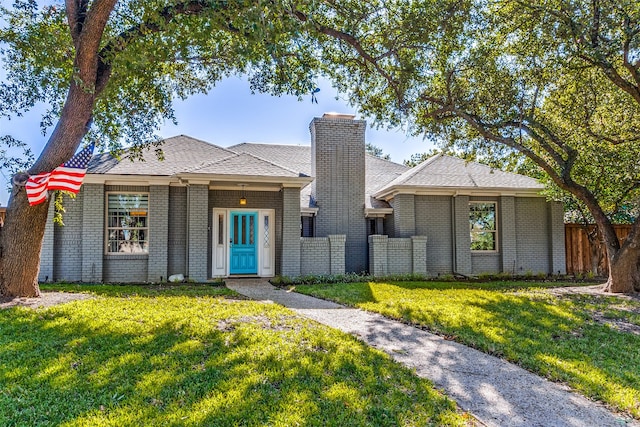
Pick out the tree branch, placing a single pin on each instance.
(76, 15)
(126, 37)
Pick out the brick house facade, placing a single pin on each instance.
(328, 208)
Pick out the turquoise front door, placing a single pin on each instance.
(244, 248)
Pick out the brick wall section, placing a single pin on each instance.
(338, 253)
(197, 234)
(378, 255)
(125, 268)
(46, 253)
(463, 237)
(315, 255)
(419, 249)
(158, 232)
(557, 250)
(67, 240)
(433, 220)
(533, 235)
(290, 232)
(338, 165)
(399, 257)
(485, 263)
(507, 234)
(177, 231)
(93, 232)
(226, 199)
(404, 218)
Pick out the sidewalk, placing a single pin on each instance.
(494, 391)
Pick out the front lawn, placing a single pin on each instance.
(147, 356)
(590, 342)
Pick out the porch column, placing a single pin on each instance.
(290, 232)
(197, 234)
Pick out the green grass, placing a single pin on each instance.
(565, 338)
(142, 356)
(165, 289)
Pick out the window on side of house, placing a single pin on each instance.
(127, 223)
(307, 226)
(483, 226)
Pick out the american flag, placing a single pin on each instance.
(67, 177)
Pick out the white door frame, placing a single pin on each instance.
(220, 253)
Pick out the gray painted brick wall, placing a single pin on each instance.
(93, 223)
(378, 265)
(315, 255)
(177, 232)
(67, 240)
(158, 232)
(399, 256)
(433, 220)
(45, 274)
(197, 234)
(485, 263)
(463, 236)
(533, 235)
(419, 249)
(125, 268)
(290, 232)
(507, 234)
(338, 253)
(404, 215)
(338, 165)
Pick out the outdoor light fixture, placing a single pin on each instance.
(243, 200)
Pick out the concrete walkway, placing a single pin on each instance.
(494, 391)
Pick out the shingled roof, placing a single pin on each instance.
(184, 155)
(446, 172)
(181, 153)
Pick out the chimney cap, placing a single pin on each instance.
(333, 115)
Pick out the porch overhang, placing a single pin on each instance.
(389, 193)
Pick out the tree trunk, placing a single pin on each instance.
(624, 271)
(20, 246)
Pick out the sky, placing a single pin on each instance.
(229, 114)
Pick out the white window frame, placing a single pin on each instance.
(494, 231)
(107, 228)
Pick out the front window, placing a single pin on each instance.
(482, 223)
(127, 223)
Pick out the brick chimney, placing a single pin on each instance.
(338, 165)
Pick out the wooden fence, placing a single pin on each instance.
(583, 256)
(3, 212)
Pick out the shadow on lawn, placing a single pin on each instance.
(109, 364)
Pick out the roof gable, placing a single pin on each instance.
(243, 164)
(442, 171)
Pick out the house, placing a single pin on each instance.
(265, 210)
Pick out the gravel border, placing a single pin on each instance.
(496, 392)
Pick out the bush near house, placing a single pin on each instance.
(589, 342)
(194, 355)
